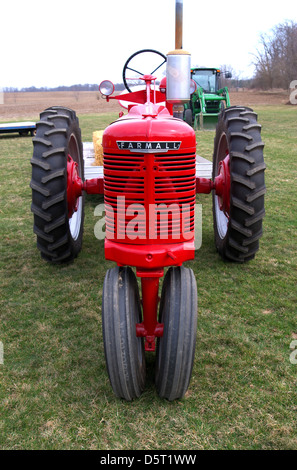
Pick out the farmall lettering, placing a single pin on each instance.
(149, 162)
(148, 147)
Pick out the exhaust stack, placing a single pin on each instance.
(179, 24)
(178, 73)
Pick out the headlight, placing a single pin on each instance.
(106, 88)
(193, 86)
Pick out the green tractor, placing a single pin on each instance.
(208, 100)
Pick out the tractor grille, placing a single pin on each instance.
(149, 198)
(212, 106)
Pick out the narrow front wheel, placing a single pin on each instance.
(124, 351)
(176, 348)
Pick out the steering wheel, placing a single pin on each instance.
(150, 58)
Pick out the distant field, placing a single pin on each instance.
(55, 392)
(24, 105)
(18, 105)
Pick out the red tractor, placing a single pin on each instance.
(149, 188)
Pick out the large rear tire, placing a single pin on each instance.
(58, 137)
(188, 117)
(176, 348)
(238, 156)
(124, 351)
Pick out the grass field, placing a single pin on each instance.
(55, 392)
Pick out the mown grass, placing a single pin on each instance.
(55, 392)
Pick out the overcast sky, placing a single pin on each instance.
(64, 42)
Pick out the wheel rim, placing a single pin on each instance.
(222, 182)
(221, 219)
(74, 199)
(75, 221)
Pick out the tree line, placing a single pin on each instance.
(275, 60)
(77, 87)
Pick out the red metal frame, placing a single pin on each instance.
(142, 96)
(150, 328)
(222, 185)
(148, 178)
(75, 186)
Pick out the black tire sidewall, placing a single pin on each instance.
(176, 348)
(56, 244)
(238, 127)
(188, 117)
(124, 351)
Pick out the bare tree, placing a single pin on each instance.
(276, 59)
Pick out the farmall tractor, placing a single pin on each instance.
(149, 188)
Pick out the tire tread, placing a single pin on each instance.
(244, 229)
(49, 184)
